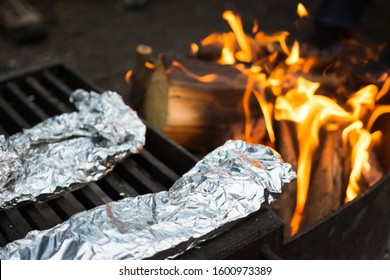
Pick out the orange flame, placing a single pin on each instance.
(245, 55)
(268, 40)
(301, 10)
(227, 54)
(150, 65)
(283, 93)
(379, 110)
(385, 88)
(311, 112)
(360, 140)
(194, 49)
(205, 79)
(255, 27)
(128, 75)
(293, 57)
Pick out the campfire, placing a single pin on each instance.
(317, 109)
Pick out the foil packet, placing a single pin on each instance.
(229, 184)
(69, 150)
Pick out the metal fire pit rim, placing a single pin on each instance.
(339, 210)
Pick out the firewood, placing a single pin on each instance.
(382, 150)
(140, 76)
(369, 175)
(347, 168)
(329, 83)
(287, 147)
(325, 192)
(192, 106)
(375, 172)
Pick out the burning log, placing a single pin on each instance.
(332, 175)
(375, 172)
(382, 150)
(326, 190)
(285, 205)
(191, 106)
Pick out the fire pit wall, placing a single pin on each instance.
(359, 229)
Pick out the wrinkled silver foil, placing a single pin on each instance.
(230, 183)
(66, 151)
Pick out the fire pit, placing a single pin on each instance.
(357, 230)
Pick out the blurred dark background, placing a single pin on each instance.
(98, 38)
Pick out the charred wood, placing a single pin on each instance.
(326, 184)
(287, 147)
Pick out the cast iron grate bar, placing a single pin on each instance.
(61, 206)
(12, 116)
(116, 187)
(18, 221)
(36, 219)
(26, 101)
(47, 97)
(8, 230)
(53, 81)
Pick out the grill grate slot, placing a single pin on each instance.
(56, 85)
(8, 230)
(163, 173)
(20, 224)
(100, 193)
(48, 102)
(141, 182)
(11, 119)
(40, 216)
(166, 151)
(66, 206)
(88, 198)
(25, 104)
(116, 187)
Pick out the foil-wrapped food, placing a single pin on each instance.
(229, 184)
(69, 150)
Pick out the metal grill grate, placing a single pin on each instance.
(33, 95)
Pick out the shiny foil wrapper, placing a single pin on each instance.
(230, 183)
(66, 151)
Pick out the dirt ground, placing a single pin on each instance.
(98, 38)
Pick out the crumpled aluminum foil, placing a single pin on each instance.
(66, 151)
(230, 183)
